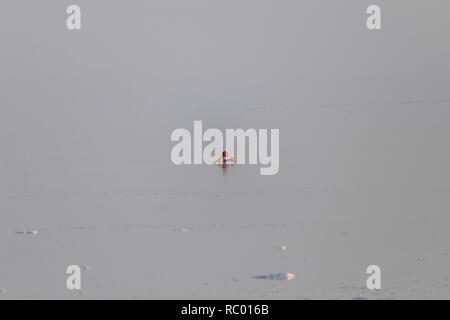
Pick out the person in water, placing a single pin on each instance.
(224, 156)
(223, 160)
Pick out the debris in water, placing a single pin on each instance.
(360, 298)
(34, 232)
(420, 259)
(277, 276)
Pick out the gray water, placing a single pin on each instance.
(85, 124)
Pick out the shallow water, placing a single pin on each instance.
(200, 233)
(85, 124)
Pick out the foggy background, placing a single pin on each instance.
(85, 124)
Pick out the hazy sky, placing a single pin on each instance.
(143, 67)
